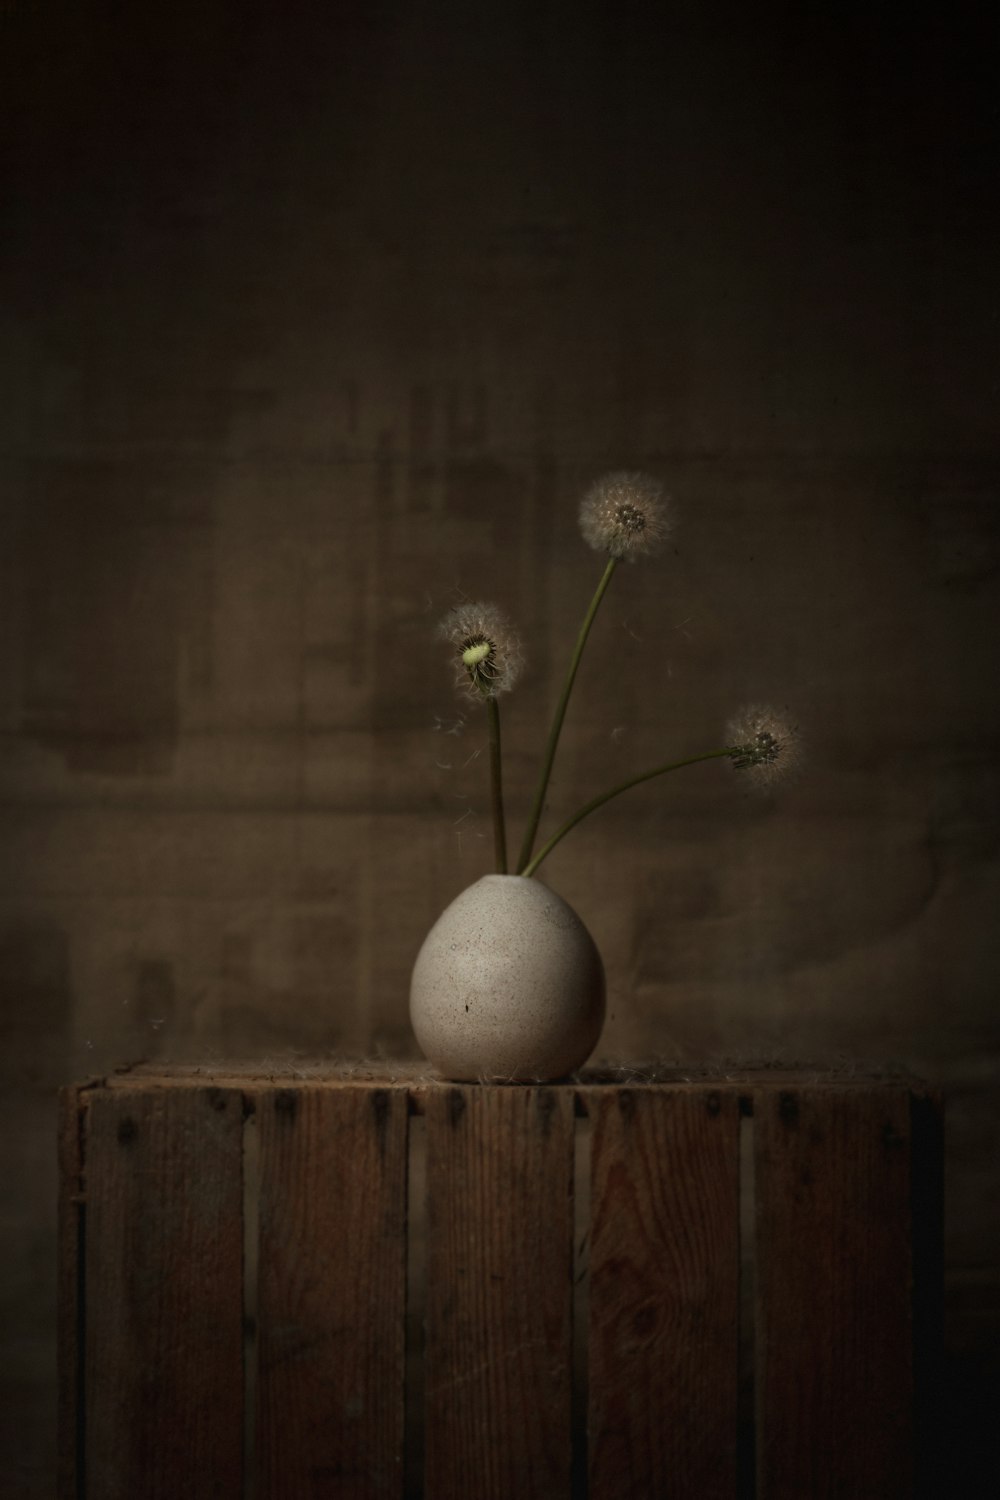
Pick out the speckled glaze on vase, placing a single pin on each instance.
(508, 986)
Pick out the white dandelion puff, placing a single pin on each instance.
(488, 659)
(625, 515)
(765, 744)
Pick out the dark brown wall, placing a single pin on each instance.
(317, 318)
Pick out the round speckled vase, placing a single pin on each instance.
(508, 986)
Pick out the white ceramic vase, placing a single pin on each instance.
(508, 986)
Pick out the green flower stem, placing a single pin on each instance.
(592, 806)
(557, 721)
(496, 787)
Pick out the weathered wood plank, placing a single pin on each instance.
(70, 1265)
(664, 1293)
(331, 1293)
(834, 1334)
(499, 1294)
(163, 1278)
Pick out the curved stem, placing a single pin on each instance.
(557, 720)
(496, 787)
(596, 802)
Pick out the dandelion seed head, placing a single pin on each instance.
(487, 652)
(625, 515)
(765, 744)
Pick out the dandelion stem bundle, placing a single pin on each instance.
(496, 787)
(596, 802)
(625, 516)
(534, 816)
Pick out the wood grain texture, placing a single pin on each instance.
(331, 1293)
(499, 1295)
(70, 1291)
(834, 1269)
(163, 1370)
(664, 1293)
(848, 1255)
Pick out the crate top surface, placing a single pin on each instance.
(418, 1080)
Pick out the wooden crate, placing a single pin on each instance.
(608, 1296)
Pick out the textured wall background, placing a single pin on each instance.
(316, 319)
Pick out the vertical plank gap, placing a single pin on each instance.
(927, 1217)
(581, 1302)
(81, 1312)
(746, 1401)
(72, 1288)
(251, 1260)
(416, 1280)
